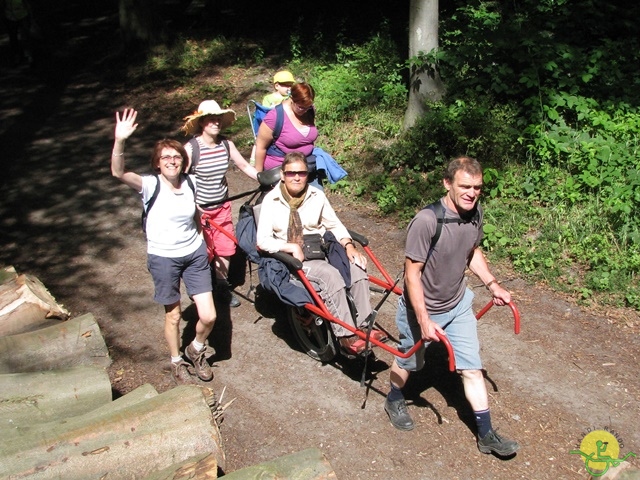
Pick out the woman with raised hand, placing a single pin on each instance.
(175, 248)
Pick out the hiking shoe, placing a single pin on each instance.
(234, 301)
(492, 442)
(225, 296)
(399, 414)
(199, 360)
(180, 372)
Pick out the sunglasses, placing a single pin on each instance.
(292, 173)
(302, 109)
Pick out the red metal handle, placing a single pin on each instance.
(514, 310)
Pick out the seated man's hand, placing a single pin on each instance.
(356, 257)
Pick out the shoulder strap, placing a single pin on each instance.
(191, 185)
(439, 210)
(195, 153)
(277, 130)
(225, 144)
(149, 204)
(154, 195)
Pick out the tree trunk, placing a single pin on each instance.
(29, 398)
(140, 23)
(26, 305)
(71, 343)
(425, 84)
(309, 464)
(133, 442)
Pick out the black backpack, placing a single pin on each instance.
(147, 206)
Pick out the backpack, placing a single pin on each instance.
(246, 233)
(195, 152)
(277, 130)
(156, 191)
(439, 210)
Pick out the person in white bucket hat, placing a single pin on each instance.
(209, 154)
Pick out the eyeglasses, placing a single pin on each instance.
(293, 173)
(167, 158)
(302, 109)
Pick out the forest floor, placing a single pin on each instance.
(64, 219)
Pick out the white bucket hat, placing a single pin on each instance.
(208, 107)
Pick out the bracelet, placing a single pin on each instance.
(117, 154)
(491, 283)
(349, 243)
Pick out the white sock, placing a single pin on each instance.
(197, 345)
(175, 359)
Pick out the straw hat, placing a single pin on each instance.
(208, 107)
(283, 76)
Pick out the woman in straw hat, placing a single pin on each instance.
(210, 168)
(175, 248)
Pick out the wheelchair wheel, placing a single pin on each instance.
(316, 340)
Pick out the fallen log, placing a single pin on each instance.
(26, 304)
(28, 398)
(201, 467)
(71, 343)
(133, 442)
(7, 274)
(308, 464)
(134, 397)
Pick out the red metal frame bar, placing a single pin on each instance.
(320, 309)
(514, 310)
(388, 281)
(230, 236)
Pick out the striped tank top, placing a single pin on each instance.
(210, 174)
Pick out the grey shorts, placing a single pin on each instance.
(459, 324)
(166, 272)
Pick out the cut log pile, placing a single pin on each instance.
(58, 418)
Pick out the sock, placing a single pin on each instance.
(483, 421)
(197, 345)
(176, 359)
(394, 394)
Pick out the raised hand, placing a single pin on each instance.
(125, 125)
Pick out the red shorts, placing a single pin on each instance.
(218, 244)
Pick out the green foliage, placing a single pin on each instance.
(473, 128)
(188, 56)
(544, 94)
(362, 77)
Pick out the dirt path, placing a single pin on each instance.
(64, 219)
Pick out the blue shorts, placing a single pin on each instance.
(460, 325)
(166, 272)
